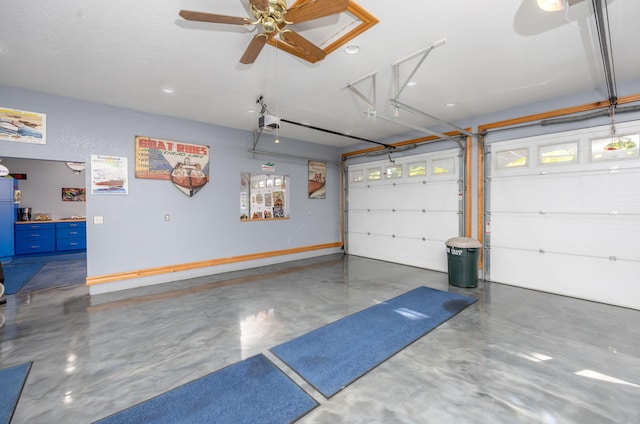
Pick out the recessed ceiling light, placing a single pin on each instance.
(450, 104)
(352, 49)
(412, 83)
(168, 90)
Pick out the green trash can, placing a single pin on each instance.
(462, 261)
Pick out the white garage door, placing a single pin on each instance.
(404, 211)
(565, 214)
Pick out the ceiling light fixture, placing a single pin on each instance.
(76, 167)
(412, 83)
(168, 90)
(352, 49)
(551, 5)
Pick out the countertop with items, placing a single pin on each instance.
(71, 219)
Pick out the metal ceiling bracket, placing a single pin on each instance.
(418, 112)
(398, 89)
(256, 137)
(395, 102)
(422, 129)
(371, 103)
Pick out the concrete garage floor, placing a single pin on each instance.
(515, 356)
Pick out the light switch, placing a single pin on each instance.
(98, 220)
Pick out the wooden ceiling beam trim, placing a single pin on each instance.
(367, 21)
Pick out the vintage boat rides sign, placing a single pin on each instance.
(185, 165)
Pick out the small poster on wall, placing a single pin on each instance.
(317, 175)
(109, 175)
(22, 126)
(74, 195)
(185, 165)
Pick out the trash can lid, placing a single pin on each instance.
(463, 242)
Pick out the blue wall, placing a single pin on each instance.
(134, 235)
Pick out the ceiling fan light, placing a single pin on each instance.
(269, 24)
(551, 5)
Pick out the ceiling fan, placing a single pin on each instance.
(274, 16)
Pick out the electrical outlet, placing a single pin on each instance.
(98, 220)
(167, 217)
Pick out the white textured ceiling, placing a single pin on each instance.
(498, 54)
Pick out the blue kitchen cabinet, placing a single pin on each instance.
(71, 235)
(35, 237)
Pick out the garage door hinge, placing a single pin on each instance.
(613, 258)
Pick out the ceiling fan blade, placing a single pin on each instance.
(260, 4)
(254, 49)
(210, 17)
(308, 50)
(315, 9)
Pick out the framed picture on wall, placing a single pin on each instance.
(109, 175)
(74, 195)
(186, 165)
(22, 126)
(317, 179)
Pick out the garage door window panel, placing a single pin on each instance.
(374, 174)
(394, 172)
(615, 148)
(558, 154)
(417, 169)
(444, 166)
(512, 158)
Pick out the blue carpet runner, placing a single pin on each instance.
(11, 383)
(16, 276)
(250, 391)
(337, 354)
